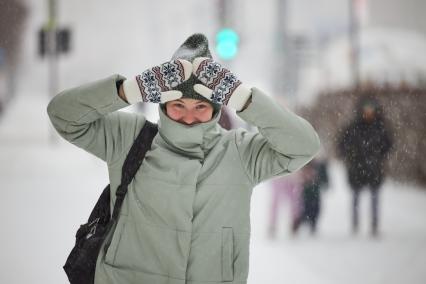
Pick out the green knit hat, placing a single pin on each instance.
(195, 46)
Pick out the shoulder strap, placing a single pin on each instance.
(133, 161)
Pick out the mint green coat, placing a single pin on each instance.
(186, 216)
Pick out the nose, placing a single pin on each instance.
(189, 118)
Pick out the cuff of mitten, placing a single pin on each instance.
(240, 97)
(131, 91)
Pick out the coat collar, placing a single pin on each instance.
(194, 141)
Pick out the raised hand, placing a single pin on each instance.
(220, 85)
(156, 84)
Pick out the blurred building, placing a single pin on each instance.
(12, 20)
(314, 51)
(386, 57)
(399, 14)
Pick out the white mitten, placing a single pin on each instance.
(156, 84)
(219, 84)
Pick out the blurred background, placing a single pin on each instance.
(315, 57)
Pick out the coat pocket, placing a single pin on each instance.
(116, 237)
(227, 254)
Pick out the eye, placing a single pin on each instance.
(178, 105)
(201, 107)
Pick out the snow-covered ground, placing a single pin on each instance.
(49, 186)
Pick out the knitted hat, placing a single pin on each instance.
(195, 46)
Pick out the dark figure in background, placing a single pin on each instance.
(363, 147)
(314, 180)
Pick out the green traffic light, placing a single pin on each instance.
(227, 50)
(227, 35)
(227, 43)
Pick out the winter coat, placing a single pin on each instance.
(363, 147)
(186, 216)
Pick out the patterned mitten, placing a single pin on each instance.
(155, 85)
(219, 84)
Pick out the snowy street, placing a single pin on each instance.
(49, 187)
(316, 56)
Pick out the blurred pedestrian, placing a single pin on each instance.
(314, 179)
(285, 189)
(186, 216)
(363, 145)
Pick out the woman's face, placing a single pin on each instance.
(189, 111)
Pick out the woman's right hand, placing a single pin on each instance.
(156, 84)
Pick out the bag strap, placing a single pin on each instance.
(133, 161)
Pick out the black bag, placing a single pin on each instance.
(81, 263)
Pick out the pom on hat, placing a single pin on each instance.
(195, 46)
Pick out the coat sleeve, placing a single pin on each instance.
(285, 142)
(86, 116)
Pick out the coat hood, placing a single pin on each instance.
(190, 140)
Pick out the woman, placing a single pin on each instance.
(186, 215)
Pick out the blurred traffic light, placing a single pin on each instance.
(62, 41)
(227, 43)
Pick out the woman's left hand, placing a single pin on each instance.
(220, 85)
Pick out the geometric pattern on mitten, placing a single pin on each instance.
(159, 79)
(220, 80)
